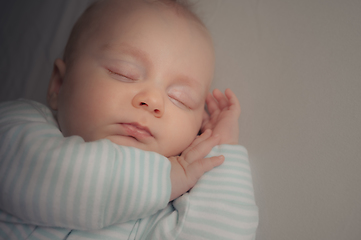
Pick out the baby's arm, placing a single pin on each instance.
(191, 164)
(224, 111)
(49, 180)
(221, 205)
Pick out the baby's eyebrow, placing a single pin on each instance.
(126, 48)
(193, 89)
(188, 81)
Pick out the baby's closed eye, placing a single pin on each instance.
(182, 98)
(123, 75)
(124, 71)
(178, 102)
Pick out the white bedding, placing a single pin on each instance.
(296, 68)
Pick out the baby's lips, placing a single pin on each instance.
(136, 130)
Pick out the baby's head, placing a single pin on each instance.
(136, 72)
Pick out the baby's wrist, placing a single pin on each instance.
(229, 140)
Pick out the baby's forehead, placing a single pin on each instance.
(108, 19)
(112, 10)
(105, 12)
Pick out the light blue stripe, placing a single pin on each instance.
(108, 184)
(80, 187)
(117, 230)
(214, 199)
(4, 235)
(53, 182)
(232, 215)
(12, 107)
(214, 183)
(25, 184)
(204, 234)
(236, 168)
(35, 201)
(155, 181)
(16, 231)
(226, 192)
(218, 225)
(232, 159)
(233, 175)
(64, 202)
(121, 229)
(13, 137)
(149, 187)
(226, 151)
(131, 169)
(140, 188)
(27, 229)
(7, 150)
(159, 181)
(93, 235)
(19, 166)
(150, 224)
(51, 135)
(43, 232)
(5, 106)
(13, 118)
(119, 164)
(93, 182)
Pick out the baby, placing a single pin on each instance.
(128, 98)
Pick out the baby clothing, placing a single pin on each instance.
(55, 187)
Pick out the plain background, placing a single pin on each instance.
(296, 68)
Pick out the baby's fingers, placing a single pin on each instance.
(212, 104)
(206, 134)
(233, 100)
(195, 170)
(201, 147)
(221, 98)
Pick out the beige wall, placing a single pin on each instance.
(296, 68)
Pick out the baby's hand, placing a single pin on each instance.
(224, 110)
(187, 168)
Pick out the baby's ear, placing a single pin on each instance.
(55, 83)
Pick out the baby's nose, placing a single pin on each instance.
(151, 101)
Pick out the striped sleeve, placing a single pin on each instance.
(220, 206)
(52, 181)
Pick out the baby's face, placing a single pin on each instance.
(140, 80)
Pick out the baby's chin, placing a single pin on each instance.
(129, 142)
(133, 142)
(151, 147)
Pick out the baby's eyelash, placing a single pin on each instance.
(128, 79)
(179, 102)
(110, 71)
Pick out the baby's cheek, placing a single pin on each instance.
(175, 141)
(188, 132)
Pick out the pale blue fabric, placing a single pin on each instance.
(53, 187)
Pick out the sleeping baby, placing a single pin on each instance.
(118, 154)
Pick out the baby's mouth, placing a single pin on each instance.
(136, 130)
